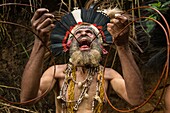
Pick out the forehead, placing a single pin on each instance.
(84, 28)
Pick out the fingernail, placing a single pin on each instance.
(117, 15)
(47, 10)
(116, 21)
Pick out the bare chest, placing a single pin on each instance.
(83, 91)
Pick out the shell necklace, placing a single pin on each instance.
(84, 85)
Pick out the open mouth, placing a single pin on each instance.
(84, 44)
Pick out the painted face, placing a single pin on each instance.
(85, 38)
(85, 49)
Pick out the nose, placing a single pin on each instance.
(83, 33)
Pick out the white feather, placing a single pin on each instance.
(77, 15)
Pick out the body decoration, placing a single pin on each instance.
(69, 103)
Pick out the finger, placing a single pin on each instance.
(112, 32)
(123, 19)
(47, 30)
(39, 13)
(42, 19)
(110, 25)
(111, 28)
(44, 24)
(117, 23)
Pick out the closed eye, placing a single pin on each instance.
(78, 32)
(89, 31)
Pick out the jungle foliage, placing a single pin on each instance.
(147, 41)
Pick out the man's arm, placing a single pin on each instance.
(42, 26)
(131, 75)
(133, 82)
(167, 100)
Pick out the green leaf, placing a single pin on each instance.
(156, 5)
(165, 4)
(150, 24)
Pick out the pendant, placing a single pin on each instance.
(96, 97)
(75, 108)
(80, 84)
(59, 97)
(86, 95)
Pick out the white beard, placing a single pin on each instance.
(86, 58)
(90, 57)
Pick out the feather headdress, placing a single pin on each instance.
(63, 29)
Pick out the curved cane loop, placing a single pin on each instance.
(165, 70)
(139, 106)
(52, 57)
(166, 67)
(11, 23)
(164, 73)
(145, 7)
(17, 4)
(168, 50)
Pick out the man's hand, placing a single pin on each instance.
(115, 26)
(42, 23)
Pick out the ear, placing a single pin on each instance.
(69, 43)
(104, 50)
(70, 40)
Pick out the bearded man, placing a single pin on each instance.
(81, 82)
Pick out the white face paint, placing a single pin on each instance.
(85, 49)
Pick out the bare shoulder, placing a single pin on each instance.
(111, 74)
(55, 71)
(50, 76)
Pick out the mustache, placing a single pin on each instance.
(85, 41)
(87, 38)
(91, 59)
(75, 46)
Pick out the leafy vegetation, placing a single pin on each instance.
(146, 39)
(163, 7)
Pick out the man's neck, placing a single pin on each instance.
(82, 69)
(85, 69)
